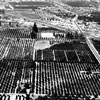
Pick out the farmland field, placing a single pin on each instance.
(77, 3)
(21, 49)
(65, 78)
(31, 16)
(57, 70)
(29, 5)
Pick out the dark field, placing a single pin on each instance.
(95, 16)
(29, 5)
(77, 3)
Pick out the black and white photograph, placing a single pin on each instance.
(49, 49)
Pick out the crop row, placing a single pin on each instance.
(65, 78)
(13, 33)
(21, 49)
